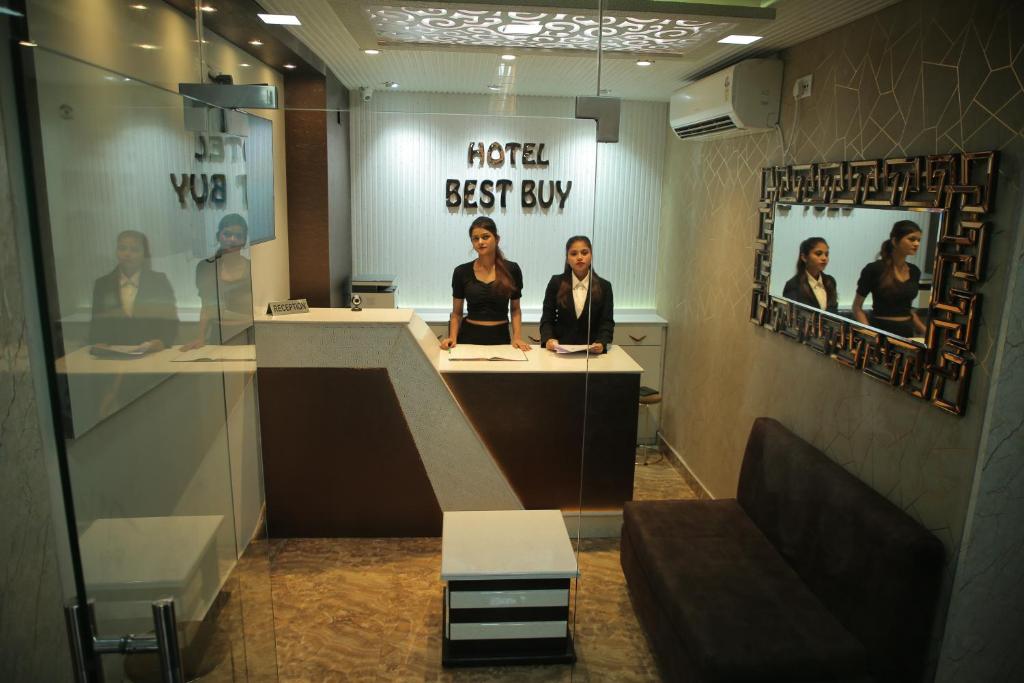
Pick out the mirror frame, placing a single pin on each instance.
(963, 185)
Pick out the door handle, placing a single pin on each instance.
(637, 339)
(533, 339)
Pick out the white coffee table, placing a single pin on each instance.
(506, 599)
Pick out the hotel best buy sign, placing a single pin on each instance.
(472, 193)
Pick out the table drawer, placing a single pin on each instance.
(639, 335)
(523, 598)
(508, 630)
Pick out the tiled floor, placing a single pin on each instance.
(370, 610)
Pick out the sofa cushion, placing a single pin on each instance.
(738, 609)
(876, 569)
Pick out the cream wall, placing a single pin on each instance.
(917, 78)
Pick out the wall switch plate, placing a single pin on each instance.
(802, 87)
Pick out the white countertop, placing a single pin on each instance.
(506, 544)
(342, 316)
(531, 316)
(540, 360)
(81, 362)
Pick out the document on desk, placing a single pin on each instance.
(571, 348)
(483, 352)
(118, 351)
(213, 353)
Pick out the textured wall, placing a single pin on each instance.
(918, 78)
(33, 644)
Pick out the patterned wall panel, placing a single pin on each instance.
(403, 150)
(920, 78)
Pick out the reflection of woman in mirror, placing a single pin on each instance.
(893, 284)
(133, 304)
(492, 285)
(578, 303)
(811, 286)
(225, 287)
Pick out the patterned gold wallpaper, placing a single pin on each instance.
(921, 77)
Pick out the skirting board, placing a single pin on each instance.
(594, 524)
(684, 470)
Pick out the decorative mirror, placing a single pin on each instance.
(875, 263)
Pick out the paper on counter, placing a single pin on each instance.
(571, 348)
(484, 352)
(214, 353)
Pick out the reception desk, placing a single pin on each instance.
(369, 429)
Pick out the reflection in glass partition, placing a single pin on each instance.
(870, 265)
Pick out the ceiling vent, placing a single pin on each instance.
(744, 97)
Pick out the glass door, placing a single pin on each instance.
(148, 204)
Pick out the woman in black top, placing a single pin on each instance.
(491, 285)
(578, 304)
(224, 282)
(811, 286)
(133, 304)
(893, 284)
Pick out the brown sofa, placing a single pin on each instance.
(808, 575)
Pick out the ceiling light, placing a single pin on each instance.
(257, 43)
(740, 40)
(520, 29)
(495, 88)
(644, 62)
(244, 64)
(27, 43)
(288, 66)
(138, 7)
(390, 84)
(208, 8)
(371, 52)
(146, 46)
(508, 58)
(280, 19)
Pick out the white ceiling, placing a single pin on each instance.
(339, 30)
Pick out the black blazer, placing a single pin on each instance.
(562, 324)
(798, 289)
(155, 313)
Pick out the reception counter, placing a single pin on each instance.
(369, 429)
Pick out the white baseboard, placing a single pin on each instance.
(679, 458)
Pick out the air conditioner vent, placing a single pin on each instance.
(705, 127)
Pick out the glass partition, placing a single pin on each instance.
(147, 208)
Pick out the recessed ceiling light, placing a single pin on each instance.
(280, 19)
(508, 58)
(208, 8)
(390, 84)
(740, 40)
(288, 66)
(110, 78)
(495, 88)
(244, 64)
(138, 7)
(126, 79)
(644, 62)
(146, 46)
(371, 52)
(27, 43)
(520, 29)
(257, 43)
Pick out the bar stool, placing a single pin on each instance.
(648, 398)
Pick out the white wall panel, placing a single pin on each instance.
(406, 145)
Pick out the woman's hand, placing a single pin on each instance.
(551, 344)
(152, 346)
(521, 345)
(447, 343)
(194, 344)
(597, 347)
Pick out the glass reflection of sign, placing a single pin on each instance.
(484, 194)
(211, 189)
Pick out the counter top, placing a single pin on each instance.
(342, 316)
(81, 362)
(531, 316)
(540, 360)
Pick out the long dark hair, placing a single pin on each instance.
(900, 229)
(565, 286)
(801, 269)
(504, 285)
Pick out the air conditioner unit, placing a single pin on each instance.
(744, 97)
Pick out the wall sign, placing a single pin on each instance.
(212, 188)
(475, 193)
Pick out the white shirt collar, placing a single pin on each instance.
(132, 280)
(584, 283)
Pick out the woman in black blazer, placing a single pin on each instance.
(578, 303)
(133, 304)
(811, 286)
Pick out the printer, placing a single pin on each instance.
(376, 290)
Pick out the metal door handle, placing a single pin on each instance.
(637, 339)
(533, 339)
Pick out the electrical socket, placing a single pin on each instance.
(802, 87)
